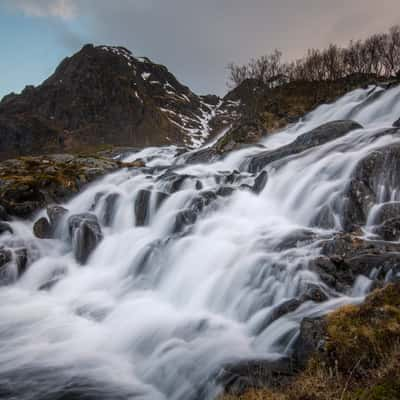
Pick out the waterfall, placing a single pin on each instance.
(188, 282)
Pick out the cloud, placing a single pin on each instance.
(65, 9)
(197, 39)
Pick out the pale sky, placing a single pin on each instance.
(195, 39)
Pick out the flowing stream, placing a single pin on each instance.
(159, 309)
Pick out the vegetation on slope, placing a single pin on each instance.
(360, 358)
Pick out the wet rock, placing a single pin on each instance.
(3, 214)
(239, 377)
(110, 205)
(204, 199)
(244, 132)
(86, 234)
(316, 137)
(5, 257)
(42, 229)
(225, 191)
(183, 219)
(199, 185)
(260, 182)
(202, 156)
(314, 292)
(324, 218)
(389, 230)
(56, 214)
(344, 257)
(5, 228)
(142, 205)
(311, 340)
(160, 198)
(300, 237)
(379, 169)
(21, 260)
(284, 308)
(387, 211)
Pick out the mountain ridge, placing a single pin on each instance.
(102, 96)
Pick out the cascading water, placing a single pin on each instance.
(159, 308)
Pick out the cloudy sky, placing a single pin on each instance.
(195, 39)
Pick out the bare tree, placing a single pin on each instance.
(379, 54)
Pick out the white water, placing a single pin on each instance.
(155, 316)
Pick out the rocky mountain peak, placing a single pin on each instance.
(104, 95)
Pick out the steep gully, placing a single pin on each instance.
(192, 263)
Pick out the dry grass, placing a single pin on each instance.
(362, 358)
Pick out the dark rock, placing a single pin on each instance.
(300, 237)
(379, 169)
(43, 229)
(4, 227)
(389, 230)
(3, 214)
(56, 214)
(237, 378)
(5, 257)
(86, 234)
(260, 182)
(199, 185)
(317, 137)
(202, 156)
(314, 293)
(284, 308)
(21, 260)
(142, 205)
(396, 124)
(324, 218)
(344, 257)
(225, 191)
(160, 198)
(183, 219)
(110, 204)
(386, 212)
(245, 131)
(311, 340)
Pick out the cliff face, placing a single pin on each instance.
(104, 96)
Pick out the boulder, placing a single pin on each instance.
(311, 340)
(344, 257)
(225, 191)
(85, 233)
(46, 228)
(56, 214)
(3, 214)
(260, 182)
(324, 218)
(110, 206)
(237, 378)
(160, 198)
(5, 257)
(389, 230)
(314, 292)
(387, 211)
(142, 207)
(183, 219)
(379, 169)
(5, 228)
(42, 229)
(317, 137)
